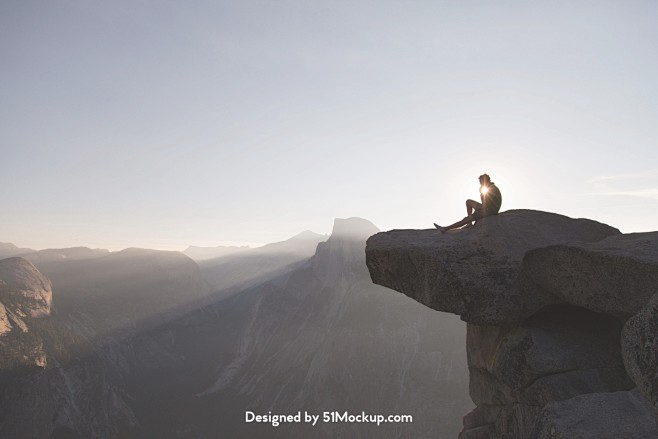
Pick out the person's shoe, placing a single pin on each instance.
(441, 229)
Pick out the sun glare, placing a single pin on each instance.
(484, 190)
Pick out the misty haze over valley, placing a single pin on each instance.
(146, 343)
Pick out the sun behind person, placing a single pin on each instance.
(491, 201)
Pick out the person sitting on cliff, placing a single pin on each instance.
(490, 205)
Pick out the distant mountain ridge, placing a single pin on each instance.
(8, 249)
(238, 271)
(124, 341)
(133, 285)
(301, 243)
(205, 253)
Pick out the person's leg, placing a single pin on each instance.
(471, 205)
(467, 220)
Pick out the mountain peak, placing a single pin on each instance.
(307, 235)
(354, 228)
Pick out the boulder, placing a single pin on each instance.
(474, 272)
(617, 275)
(640, 350)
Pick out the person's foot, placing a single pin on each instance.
(441, 229)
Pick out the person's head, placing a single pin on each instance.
(485, 180)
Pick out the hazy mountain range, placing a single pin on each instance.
(204, 253)
(145, 343)
(238, 271)
(8, 249)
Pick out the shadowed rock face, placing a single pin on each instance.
(640, 348)
(557, 354)
(546, 298)
(597, 416)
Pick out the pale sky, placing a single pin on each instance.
(164, 124)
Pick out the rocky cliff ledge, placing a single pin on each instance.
(562, 319)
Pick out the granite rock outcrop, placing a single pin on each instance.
(26, 293)
(616, 275)
(545, 298)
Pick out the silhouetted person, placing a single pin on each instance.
(490, 205)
